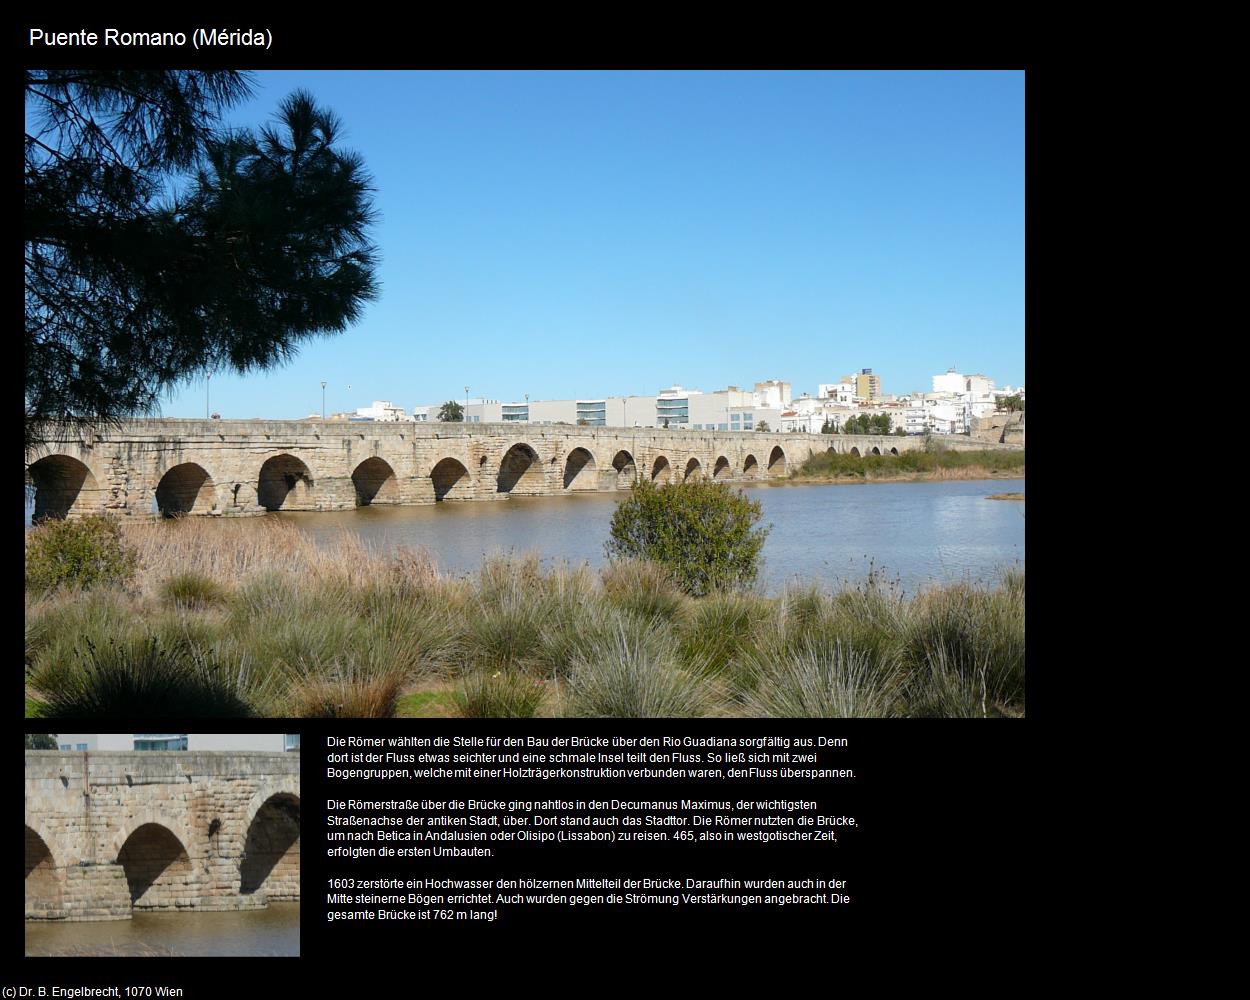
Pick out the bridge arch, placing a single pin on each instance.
(158, 869)
(45, 879)
(520, 470)
(777, 462)
(375, 482)
(285, 481)
(893, 451)
(721, 470)
(751, 466)
(451, 480)
(185, 489)
(694, 470)
(876, 450)
(271, 829)
(855, 451)
(579, 470)
(64, 486)
(661, 471)
(626, 470)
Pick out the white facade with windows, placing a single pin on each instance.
(675, 407)
(272, 742)
(842, 392)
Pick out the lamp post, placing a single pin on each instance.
(323, 401)
(465, 416)
(527, 407)
(207, 382)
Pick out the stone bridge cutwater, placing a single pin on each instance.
(236, 467)
(108, 833)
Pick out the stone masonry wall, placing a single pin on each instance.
(108, 831)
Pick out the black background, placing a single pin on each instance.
(942, 857)
(944, 867)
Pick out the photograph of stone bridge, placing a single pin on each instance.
(109, 833)
(239, 467)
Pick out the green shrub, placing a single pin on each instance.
(570, 635)
(192, 590)
(721, 627)
(506, 634)
(642, 588)
(364, 685)
(138, 676)
(971, 633)
(498, 695)
(823, 680)
(634, 674)
(704, 532)
(78, 554)
(944, 689)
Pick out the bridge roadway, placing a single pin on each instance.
(108, 833)
(240, 467)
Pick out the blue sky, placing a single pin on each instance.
(588, 234)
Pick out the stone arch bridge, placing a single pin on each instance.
(234, 467)
(108, 833)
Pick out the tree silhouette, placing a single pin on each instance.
(160, 245)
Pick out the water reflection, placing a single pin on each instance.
(272, 931)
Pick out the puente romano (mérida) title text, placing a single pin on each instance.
(110, 37)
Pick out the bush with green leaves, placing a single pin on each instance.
(705, 533)
(78, 554)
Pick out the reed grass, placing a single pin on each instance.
(256, 619)
(937, 464)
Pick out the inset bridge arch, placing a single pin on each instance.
(285, 483)
(374, 481)
(186, 488)
(64, 487)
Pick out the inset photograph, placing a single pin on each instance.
(162, 844)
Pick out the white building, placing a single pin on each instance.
(980, 387)
(772, 394)
(674, 407)
(915, 419)
(272, 742)
(384, 410)
(947, 418)
(949, 381)
(840, 392)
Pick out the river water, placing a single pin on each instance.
(915, 532)
(272, 931)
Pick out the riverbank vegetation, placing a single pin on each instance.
(985, 464)
(255, 618)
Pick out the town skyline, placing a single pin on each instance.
(349, 398)
(565, 233)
